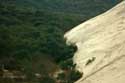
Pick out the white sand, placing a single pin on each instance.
(102, 37)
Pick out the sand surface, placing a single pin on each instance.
(101, 40)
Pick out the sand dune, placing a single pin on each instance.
(101, 40)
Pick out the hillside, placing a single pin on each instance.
(31, 39)
(101, 47)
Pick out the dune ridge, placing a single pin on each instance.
(101, 38)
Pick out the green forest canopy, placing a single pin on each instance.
(34, 31)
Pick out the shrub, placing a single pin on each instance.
(90, 61)
(74, 76)
(47, 79)
(61, 76)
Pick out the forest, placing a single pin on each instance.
(32, 47)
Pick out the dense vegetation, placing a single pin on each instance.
(71, 6)
(28, 37)
(32, 38)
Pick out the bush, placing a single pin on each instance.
(90, 61)
(67, 64)
(61, 76)
(47, 80)
(70, 74)
(74, 76)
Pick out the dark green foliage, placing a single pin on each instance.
(71, 6)
(69, 76)
(47, 80)
(67, 64)
(74, 76)
(21, 38)
(28, 34)
(61, 76)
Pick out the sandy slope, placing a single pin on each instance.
(102, 38)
